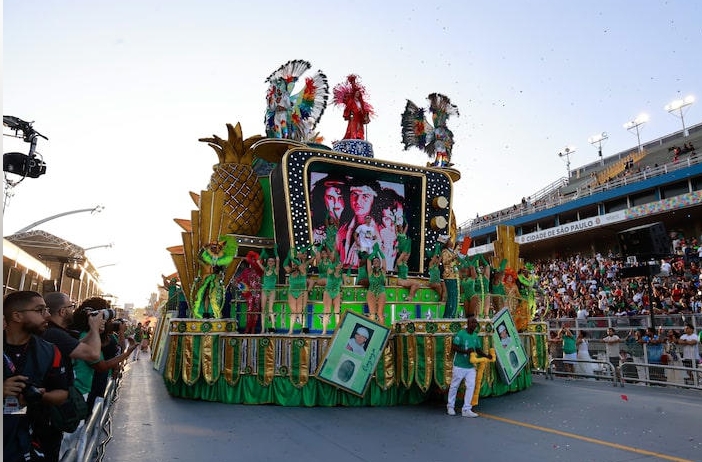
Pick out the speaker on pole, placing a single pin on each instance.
(647, 241)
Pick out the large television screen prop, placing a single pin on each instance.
(310, 185)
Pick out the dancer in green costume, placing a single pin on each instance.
(467, 276)
(296, 267)
(526, 282)
(480, 303)
(332, 294)
(269, 281)
(435, 281)
(404, 281)
(323, 262)
(375, 295)
(209, 296)
(497, 286)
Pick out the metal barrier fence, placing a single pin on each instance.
(631, 372)
(88, 442)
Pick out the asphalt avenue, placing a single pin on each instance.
(578, 420)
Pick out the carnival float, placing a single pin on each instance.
(307, 275)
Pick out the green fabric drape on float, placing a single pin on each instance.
(213, 368)
(282, 392)
(232, 360)
(210, 358)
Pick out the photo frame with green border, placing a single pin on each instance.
(511, 357)
(348, 365)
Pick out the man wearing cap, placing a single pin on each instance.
(357, 343)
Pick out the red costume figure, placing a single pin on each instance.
(352, 95)
(249, 283)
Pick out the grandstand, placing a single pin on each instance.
(584, 213)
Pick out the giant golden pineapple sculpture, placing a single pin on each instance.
(235, 177)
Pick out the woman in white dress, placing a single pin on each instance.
(584, 354)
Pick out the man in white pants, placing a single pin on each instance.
(464, 343)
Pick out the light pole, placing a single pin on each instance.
(636, 123)
(567, 152)
(677, 106)
(107, 246)
(96, 209)
(597, 140)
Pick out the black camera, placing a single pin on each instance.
(32, 394)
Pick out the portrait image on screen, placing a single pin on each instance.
(344, 204)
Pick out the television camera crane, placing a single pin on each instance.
(30, 165)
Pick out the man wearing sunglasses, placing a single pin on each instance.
(60, 317)
(33, 378)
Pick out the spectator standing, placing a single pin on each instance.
(586, 368)
(654, 353)
(138, 338)
(33, 378)
(611, 341)
(690, 346)
(570, 351)
(555, 349)
(61, 310)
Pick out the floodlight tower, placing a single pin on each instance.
(597, 140)
(677, 106)
(567, 152)
(636, 123)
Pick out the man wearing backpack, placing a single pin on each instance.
(33, 378)
(88, 349)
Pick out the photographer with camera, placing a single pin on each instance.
(61, 310)
(113, 356)
(84, 370)
(33, 379)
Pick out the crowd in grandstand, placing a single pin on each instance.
(593, 287)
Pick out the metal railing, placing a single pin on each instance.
(88, 442)
(606, 370)
(631, 372)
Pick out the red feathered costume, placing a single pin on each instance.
(249, 281)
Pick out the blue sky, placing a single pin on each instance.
(124, 90)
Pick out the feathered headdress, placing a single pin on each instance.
(437, 140)
(305, 108)
(344, 92)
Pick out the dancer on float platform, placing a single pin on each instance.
(323, 262)
(480, 303)
(404, 244)
(269, 281)
(296, 267)
(375, 296)
(404, 281)
(467, 276)
(498, 291)
(332, 294)
(435, 282)
(404, 247)
(449, 261)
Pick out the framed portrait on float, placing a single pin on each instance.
(353, 353)
(511, 357)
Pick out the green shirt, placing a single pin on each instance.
(464, 341)
(569, 344)
(84, 372)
